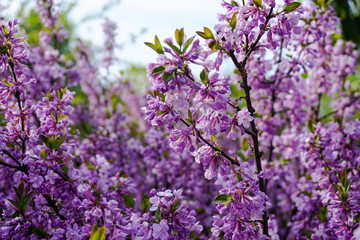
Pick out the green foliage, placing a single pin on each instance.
(207, 34)
(188, 43)
(179, 36)
(30, 21)
(204, 75)
(349, 12)
(258, 3)
(98, 233)
(291, 7)
(245, 144)
(322, 213)
(54, 142)
(158, 70)
(167, 77)
(44, 154)
(311, 126)
(232, 22)
(129, 201)
(156, 46)
(22, 199)
(223, 198)
(343, 188)
(145, 203)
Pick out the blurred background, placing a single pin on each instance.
(139, 21)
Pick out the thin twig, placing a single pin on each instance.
(210, 145)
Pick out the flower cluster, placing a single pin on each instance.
(291, 70)
(269, 152)
(67, 175)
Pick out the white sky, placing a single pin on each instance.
(160, 17)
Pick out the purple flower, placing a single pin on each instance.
(51, 176)
(36, 180)
(160, 231)
(73, 232)
(244, 118)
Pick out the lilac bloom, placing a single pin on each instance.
(160, 231)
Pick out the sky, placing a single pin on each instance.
(157, 17)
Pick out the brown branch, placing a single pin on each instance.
(17, 96)
(212, 146)
(244, 84)
(335, 111)
(52, 204)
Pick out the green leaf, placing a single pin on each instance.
(98, 194)
(6, 31)
(19, 191)
(347, 186)
(291, 6)
(179, 36)
(190, 117)
(213, 138)
(58, 141)
(173, 47)
(232, 22)
(342, 177)
(44, 154)
(98, 234)
(357, 218)
(65, 169)
(158, 70)
(158, 215)
(160, 95)
(201, 34)
(129, 201)
(223, 198)
(284, 161)
(214, 46)
(311, 126)
(145, 203)
(40, 232)
(239, 177)
(25, 201)
(115, 100)
(174, 207)
(193, 235)
(16, 204)
(168, 76)
(305, 75)
(207, 34)
(248, 157)
(60, 92)
(204, 76)
(258, 3)
(200, 211)
(245, 144)
(234, 3)
(188, 43)
(10, 144)
(2, 120)
(340, 190)
(157, 46)
(322, 213)
(46, 140)
(306, 232)
(89, 165)
(241, 155)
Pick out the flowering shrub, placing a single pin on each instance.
(277, 141)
